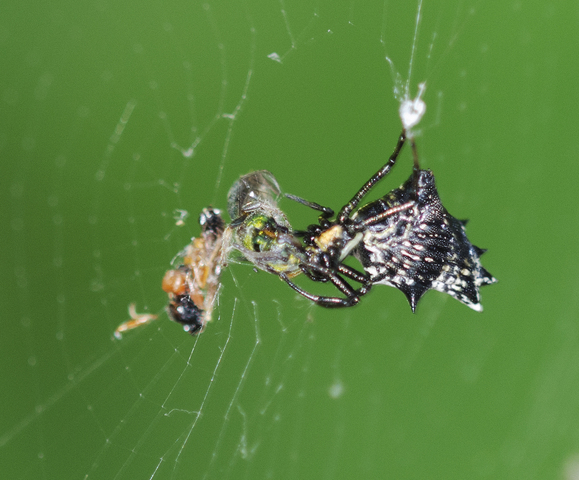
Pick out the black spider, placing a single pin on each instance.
(420, 248)
(406, 239)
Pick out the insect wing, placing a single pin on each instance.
(251, 192)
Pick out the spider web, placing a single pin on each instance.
(158, 109)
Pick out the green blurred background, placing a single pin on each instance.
(99, 101)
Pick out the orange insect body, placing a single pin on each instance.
(193, 286)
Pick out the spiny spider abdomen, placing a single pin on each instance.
(421, 248)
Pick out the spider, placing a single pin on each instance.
(261, 234)
(421, 248)
(193, 286)
(406, 239)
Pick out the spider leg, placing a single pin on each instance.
(414, 154)
(326, 211)
(328, 302)
(343, 286)
(359, 277)
(352, 296)
(416, 168)
(381, 216)
(379, 175)
(352, 273)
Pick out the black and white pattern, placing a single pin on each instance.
(420, 248)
